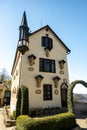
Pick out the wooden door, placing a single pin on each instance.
(64, 95)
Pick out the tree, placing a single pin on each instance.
(24, 100)
(5, 78)
(18, 103)
(22, 104)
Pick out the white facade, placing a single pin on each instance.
(23, 73)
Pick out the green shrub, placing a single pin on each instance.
(18, 103)
(24, 101)
(22, 122)
(22, 104)
(12, 115)
(64, 121)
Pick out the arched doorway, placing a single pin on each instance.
(63, 90)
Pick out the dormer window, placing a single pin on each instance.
(47, 42)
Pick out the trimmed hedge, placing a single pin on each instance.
(64, 121)
(18, 103)
(24, 101)
(22, 122)
(70, 93)
(22, 104)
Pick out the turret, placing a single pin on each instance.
(23, 44)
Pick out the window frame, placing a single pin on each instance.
(47, 92)
(47, 65)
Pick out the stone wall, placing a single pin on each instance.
(80, 106)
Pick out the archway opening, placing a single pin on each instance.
(80, 99)
(80, 89)
(72, 88)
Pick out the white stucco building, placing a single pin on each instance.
(40, 64)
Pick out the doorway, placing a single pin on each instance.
(63, 95)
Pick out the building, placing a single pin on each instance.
(40, 64)
(7, 97)
(4, 100)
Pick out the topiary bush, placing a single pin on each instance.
(70, 93)
(22, 104)
(22, 121)
(24, 101)
(64, 121)
(18, 103)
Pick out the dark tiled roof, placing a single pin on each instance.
(24, 20)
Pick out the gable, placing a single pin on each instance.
(49, 30)
(44, 31)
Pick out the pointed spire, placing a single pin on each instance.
(24, 20)
(24, 29)
(23, 35)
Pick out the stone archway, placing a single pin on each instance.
(70, 93)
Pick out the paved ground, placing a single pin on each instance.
(2, 126)
(81, 121)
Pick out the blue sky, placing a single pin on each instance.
(68, 18)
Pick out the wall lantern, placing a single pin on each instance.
(56, 81)
(38, 80)
(61, 64)
(31, 59)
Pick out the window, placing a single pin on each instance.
(47, 65)
(47, 42)
(23, 33)
(47, 92)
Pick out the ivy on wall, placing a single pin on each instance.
(70, 93)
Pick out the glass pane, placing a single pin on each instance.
(47, 90)
(43, 41)
(46, 42)
(47, 66)
(53, 66)
(41, 65)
